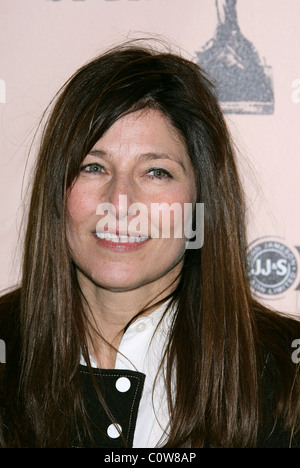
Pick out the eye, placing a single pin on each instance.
(92, 168)
(159, 173)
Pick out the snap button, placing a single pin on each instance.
(114, 431)
(123, 384)
(140, 326)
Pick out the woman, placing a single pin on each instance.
(118, 337)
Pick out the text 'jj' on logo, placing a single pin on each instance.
(272, 267)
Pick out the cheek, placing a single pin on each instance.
(168, 217)
(81, 205)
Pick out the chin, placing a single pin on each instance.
(120, 285)
(120, 280)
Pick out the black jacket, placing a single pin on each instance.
(125, 406)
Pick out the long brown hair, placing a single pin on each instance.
(220, 334)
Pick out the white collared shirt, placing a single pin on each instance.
(141, 349)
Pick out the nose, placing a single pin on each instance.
(121, 195)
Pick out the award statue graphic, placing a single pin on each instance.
(243, 81)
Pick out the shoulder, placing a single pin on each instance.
(10, 317)
(280, 405)
(10, 301)
(9, 336)
(276, 334)
(9, 306)
(280, 379)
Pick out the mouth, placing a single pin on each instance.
(120, 239)
(120, 243)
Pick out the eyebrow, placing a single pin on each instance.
(145, 156)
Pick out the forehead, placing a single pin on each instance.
(142, 131)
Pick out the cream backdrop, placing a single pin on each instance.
(253, 42)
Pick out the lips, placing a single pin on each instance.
(121, 242)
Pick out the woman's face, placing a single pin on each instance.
(115, 243)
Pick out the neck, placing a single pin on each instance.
(109, 312)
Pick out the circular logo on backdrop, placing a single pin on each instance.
(272, 267)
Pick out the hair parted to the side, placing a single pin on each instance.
(215, 344)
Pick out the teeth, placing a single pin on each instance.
(120, 239)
